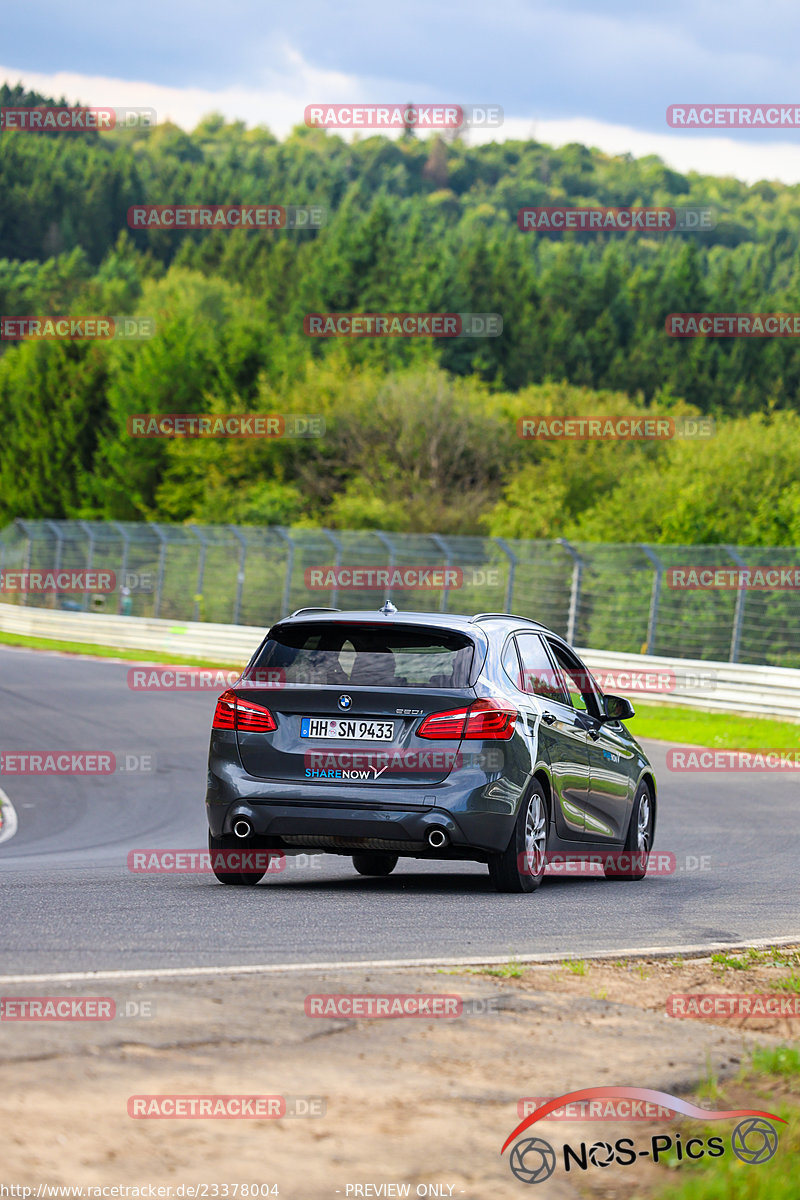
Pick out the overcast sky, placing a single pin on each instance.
(601, 73)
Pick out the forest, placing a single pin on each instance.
(419, 433)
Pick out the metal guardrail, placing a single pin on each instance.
(698, 683)
(727, 687)
(194, 639)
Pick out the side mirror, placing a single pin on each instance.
(617, 708)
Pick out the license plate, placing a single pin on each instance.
(347, 729)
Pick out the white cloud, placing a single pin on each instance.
(280, 105)
(708, 154)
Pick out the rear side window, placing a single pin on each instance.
(539, 677)
(339, 654)
(582, 695)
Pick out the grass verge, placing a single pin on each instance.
(771, 1081)
(723, 731)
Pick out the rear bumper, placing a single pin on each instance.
(306, 827)
(296, 816)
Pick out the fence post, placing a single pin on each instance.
(201, 568)
(162, 557)
(237, 606)
(57, 533)
(126, 539)
(26, 562)
(655, 598)
(89, 558)
(2, 554)
(443, 546)
(287, 582)
(337, 562)
(387, 541)
(575, 590)
(512, 568)
(738, 612)
(59, 536)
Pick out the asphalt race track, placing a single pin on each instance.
(69, 902)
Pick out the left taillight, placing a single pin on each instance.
(484, 720)
(242, 715)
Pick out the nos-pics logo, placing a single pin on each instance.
(533, 1160)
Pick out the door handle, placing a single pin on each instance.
(548, 718)
(584, 723)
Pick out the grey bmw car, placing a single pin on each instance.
(385, 734)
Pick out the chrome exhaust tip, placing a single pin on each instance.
(242, 828)
(437, 838)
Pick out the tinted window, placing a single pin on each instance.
(579, 681)
(511, 664)
(342, 654)
(538, 674)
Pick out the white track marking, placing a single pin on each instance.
(697, 951)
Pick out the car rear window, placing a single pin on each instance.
(360, 655)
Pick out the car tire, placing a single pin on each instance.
(233, 878)
(374, 862)
(521, 866)
(639, 839)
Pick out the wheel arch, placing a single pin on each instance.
(542, 776)
(648, 777)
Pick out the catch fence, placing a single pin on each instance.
(632, 598)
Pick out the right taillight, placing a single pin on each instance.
(448, 725)
(242, 715)
(485, 720)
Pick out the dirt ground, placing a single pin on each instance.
(419, 1101)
